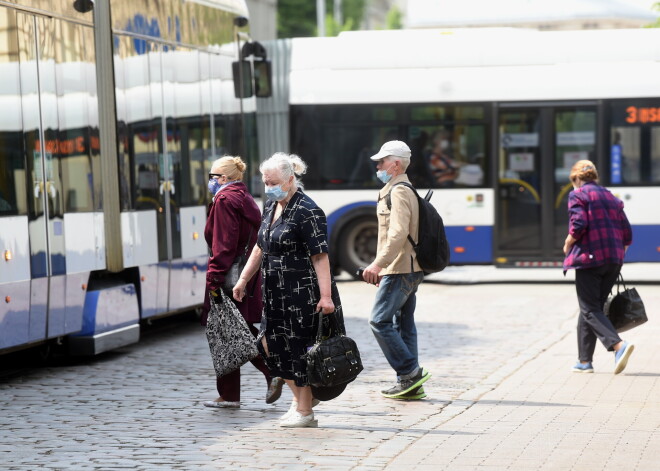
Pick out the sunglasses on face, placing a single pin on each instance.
(212, 175)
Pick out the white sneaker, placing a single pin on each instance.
(298, 420)
(294, 408)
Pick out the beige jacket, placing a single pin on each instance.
(395, 253)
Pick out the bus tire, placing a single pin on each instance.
(357, 244)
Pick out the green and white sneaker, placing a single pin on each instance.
(405, 386)
(415, 395)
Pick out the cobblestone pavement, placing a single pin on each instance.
(140, 407)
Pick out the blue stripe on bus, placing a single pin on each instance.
(470, 244)
(646, 244)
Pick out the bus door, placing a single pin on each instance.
(65, 230)
(537, 146)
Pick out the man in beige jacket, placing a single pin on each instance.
(396, 272)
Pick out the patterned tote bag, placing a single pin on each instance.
(231, 343)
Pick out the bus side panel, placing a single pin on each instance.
(187, 282)
(14, 249)
(14, 282)
(57, 307)
(14, 314)
(85, 242)
(193, 221)
(76, 287)
(646, 244)
(470, 244)
(139, 233)
(38, 309)
(149, 290)
(110, 320)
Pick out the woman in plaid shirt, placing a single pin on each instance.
(598, 236)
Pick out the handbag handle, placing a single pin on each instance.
(248, 242)
(319, 333)
(619, 282)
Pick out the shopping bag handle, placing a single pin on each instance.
(619, 283)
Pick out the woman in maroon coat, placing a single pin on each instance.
(232, 224)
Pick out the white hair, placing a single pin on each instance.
(287, 165)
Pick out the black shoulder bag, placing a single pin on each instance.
(332, 361)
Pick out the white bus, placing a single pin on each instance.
(495, 119)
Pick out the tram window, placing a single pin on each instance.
(12, 178)
(72, 143)
(13, 191)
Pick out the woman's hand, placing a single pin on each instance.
(239, 289)
(326, 305)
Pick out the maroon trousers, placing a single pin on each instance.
(229, 385)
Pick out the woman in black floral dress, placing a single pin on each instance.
(292, 251)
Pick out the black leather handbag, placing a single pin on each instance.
(332, 361)
(625, 309)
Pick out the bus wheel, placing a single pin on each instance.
(357, 244)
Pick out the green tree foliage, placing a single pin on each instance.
(297, 18)
(394, 19)
(656, 7)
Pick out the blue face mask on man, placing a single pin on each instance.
(383, 176)
(276, 193)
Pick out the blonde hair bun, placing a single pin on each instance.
(232, 167)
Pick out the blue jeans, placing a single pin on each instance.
(393, 320)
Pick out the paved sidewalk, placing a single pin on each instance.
(543, 417)
(501, 397)
(474, 274)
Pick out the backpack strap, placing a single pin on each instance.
(388, 202)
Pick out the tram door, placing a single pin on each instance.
(62, 208)
(168, 169)
(536, 150)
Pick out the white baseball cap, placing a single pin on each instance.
(396, 148)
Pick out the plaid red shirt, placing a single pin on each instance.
(602, 230)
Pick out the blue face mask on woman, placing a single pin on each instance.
(214, 186)
(276, 193)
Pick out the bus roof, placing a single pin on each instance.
(475, 64)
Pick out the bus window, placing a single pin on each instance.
(655, 154)
(446, 113)
(346, 150)
(452, 155)
(634, 152)
(625, 155)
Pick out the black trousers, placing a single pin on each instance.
(593, 286)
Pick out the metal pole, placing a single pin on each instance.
(241, 144)
(320, 17)
(337, 12)
(105, 84)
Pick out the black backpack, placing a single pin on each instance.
(432, 249)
